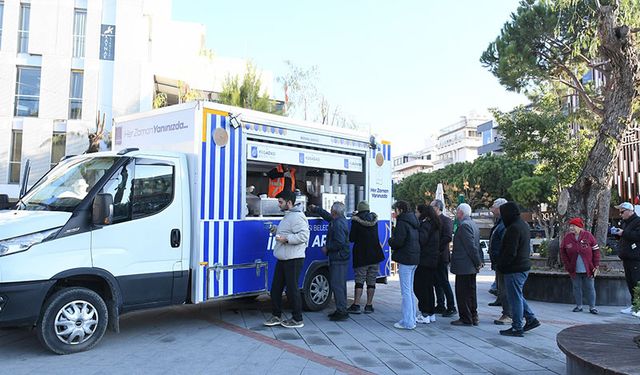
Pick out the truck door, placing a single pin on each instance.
(142, 247)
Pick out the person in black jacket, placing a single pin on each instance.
(514, 264)
(367, 255)
(443, 288)
(629, 247)
(337, 249)
(406, 252)
(425, 276)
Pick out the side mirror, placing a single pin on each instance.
(102, 213)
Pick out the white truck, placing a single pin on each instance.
(175, 214)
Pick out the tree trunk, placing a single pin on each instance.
(602, 221)
(623, 71)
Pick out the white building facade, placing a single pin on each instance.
(63, 61)
(414, 162)
(459, 142)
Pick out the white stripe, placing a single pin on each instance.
(206, 160)
(212, 277)
(230, 253)
(221, 249)
(227, 181)
(236, 178)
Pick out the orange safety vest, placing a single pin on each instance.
(276, 185)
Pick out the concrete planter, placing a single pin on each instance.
(555, 286)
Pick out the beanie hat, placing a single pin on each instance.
(577, 222)
(363, 206)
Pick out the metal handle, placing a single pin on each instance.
(175, 237)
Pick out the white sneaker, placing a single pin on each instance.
(636, 314)
(422, 319)
(432, 318)
(628, 310)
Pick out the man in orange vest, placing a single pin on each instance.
(281, 178)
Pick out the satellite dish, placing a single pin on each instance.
(563, 201)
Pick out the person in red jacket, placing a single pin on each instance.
(580, 256)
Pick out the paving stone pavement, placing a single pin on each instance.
(228, 337)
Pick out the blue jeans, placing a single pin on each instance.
(406, 273)
(513, 283)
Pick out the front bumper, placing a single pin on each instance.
(20, 303)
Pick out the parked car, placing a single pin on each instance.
(484, 246)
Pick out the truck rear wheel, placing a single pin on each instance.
(317, 290)
(73, 320)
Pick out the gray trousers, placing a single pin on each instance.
(502, 294)
(583, 283)
(338, 279)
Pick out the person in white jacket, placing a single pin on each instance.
(292, 238)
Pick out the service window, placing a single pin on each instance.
(310, 168)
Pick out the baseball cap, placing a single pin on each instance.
(498, 202)
(625, 206)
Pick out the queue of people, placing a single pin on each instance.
(420, 246)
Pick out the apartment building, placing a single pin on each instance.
(413, 162)
(491, 139)
(459, 142)
(64, 61)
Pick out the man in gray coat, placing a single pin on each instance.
(292, 238)
(465, 264)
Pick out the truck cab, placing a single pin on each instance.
(98, 235)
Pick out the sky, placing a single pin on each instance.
(402, 69)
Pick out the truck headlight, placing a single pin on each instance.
(22, 243)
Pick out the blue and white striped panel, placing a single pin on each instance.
(221, 181)
(218, 247)
(386, 151)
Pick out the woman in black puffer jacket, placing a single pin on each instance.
(425, 276)
(406, 252)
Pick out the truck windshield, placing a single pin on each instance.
(66, 185)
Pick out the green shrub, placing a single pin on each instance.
(543, 248)
(636, 298)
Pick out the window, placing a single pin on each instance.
(1, 18)
(79, 31)
(487, 137)
(143, 192)
(152, 189)
(16, 157)
(23, 28)
(75, 94)
(58, 146)
(27, 92)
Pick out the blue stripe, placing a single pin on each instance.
(226, 256)
(232, 162)
(216, 236)
(212, 164)
(220, 196)
(205, 258)
(389, 152)
(203, 160)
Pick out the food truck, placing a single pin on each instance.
(178, 212)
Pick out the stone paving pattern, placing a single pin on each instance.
(191, 339)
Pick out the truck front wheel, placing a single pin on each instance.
(74, 320)
(317, 290)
